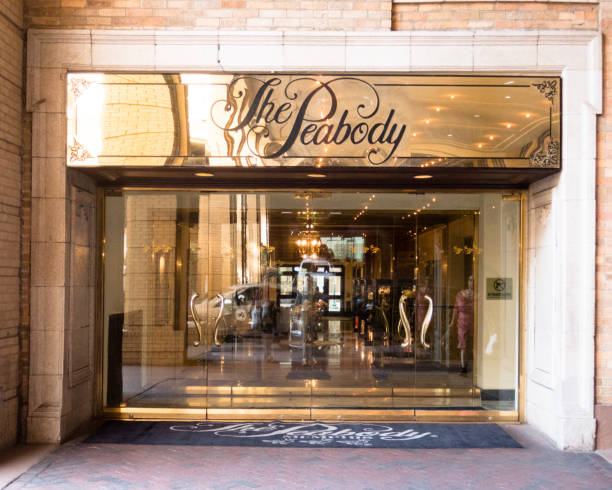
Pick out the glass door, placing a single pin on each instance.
(447, 256)
(310, 304)
(153, 359)
(256, 357)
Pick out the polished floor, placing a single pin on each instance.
(538, 465)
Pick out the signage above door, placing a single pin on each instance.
(418, 122)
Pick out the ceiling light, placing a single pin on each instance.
(449, 135)
(424, 176)
(437, 109)
(317, 176)
(413, 134)
(452, 96)
(203, 174)
(476, 115)
(527, 115)
(427, 121)
(509, 82)
(508, 125)
(508, 97)
(491, 137)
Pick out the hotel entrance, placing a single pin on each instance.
(311, 304)
(312, 247)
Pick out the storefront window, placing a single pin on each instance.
(311, 300)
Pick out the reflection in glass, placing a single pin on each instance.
(210, 302)
(271, 120)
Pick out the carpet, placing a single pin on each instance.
(313, 434)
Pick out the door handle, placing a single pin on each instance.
(219, 318)
(426, 321)
(403, 322)
(196, 320)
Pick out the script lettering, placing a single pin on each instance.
(320, 431)
(273, 108)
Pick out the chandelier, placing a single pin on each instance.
(308, 240)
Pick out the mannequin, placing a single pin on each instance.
(463, 316)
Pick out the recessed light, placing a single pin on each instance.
(476, 115)
(437, 109)
(317, 176)
(204, 174)
(424, 176)
(449, 135)
(414, 134)
(508, 97)
(527, 115)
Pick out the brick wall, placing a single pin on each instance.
(603, 323)
(494, 15)
(11, 56)
(211, 14)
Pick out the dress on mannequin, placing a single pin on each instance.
(463, 316)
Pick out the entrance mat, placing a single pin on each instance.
(313, 434)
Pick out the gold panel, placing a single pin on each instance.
(270, 390)
(276, 120)
(218, 402)
(208, 390)
(155, 413)
(438, 401)
(430, 392)
(258, 414)
(315, 414)
(266, 401)
(352, 402)
(466, 415)
(331, 415)
(351, 391)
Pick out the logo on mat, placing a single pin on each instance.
(315, 434)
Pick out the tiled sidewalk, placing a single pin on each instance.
(113, 466)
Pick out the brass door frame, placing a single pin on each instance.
(314, 413)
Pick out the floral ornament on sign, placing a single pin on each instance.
(548, 88)
(78, 86)
(548, 158)
(78, 152)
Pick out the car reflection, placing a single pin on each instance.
(235, 313)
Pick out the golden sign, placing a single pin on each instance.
(311, 120)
